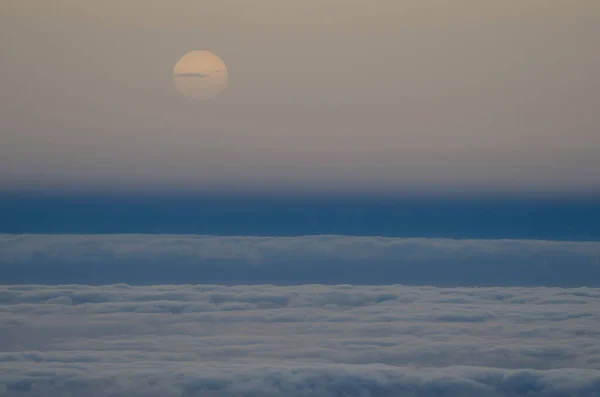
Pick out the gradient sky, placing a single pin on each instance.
(329, 94)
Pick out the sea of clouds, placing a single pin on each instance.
(186, 315)
(177, 259)
(305, 340)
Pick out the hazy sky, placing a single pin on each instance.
(414, 94)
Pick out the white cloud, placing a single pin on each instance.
(152, 259)
(308, 340)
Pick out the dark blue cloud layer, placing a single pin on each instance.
(432, 215)
(152, 259)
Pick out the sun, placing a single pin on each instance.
(200, 75)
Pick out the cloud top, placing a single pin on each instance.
(308, 340)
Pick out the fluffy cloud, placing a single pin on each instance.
(155, 259)
(308, 340)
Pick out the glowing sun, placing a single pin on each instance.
(200, 75)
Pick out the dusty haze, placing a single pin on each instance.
(500, 95)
